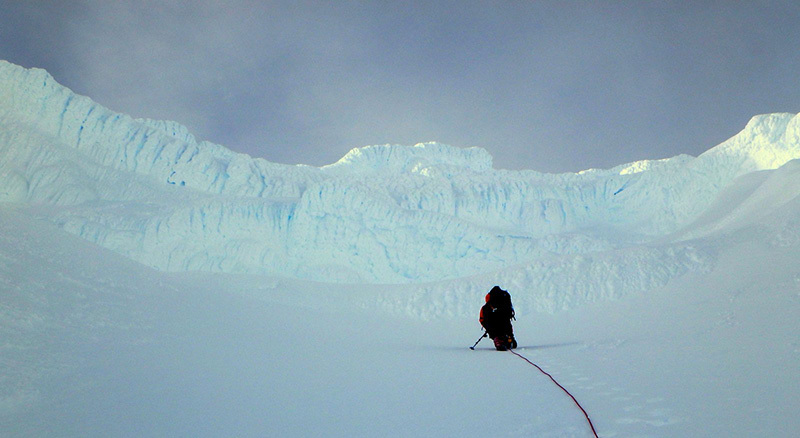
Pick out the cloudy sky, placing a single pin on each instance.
(546, 85)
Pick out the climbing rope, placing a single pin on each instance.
(562, 388)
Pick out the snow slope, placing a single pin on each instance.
(95, 344)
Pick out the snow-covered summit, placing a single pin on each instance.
(149, 190)
(767, 142)
(416, 158)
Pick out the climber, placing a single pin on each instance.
(496, 316)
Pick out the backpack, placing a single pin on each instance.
(500, 299)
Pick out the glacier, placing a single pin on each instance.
(386, 214)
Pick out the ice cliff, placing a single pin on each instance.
(383, 214)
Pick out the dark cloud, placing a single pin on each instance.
(541, 85)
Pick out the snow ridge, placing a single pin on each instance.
(382, 214)
(414, 159)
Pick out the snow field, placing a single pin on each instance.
(96, 345)
(134, 352)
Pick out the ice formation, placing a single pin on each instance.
(382, 214)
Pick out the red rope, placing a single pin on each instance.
(559, 385)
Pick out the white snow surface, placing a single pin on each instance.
(96, 345)
(201, 292)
